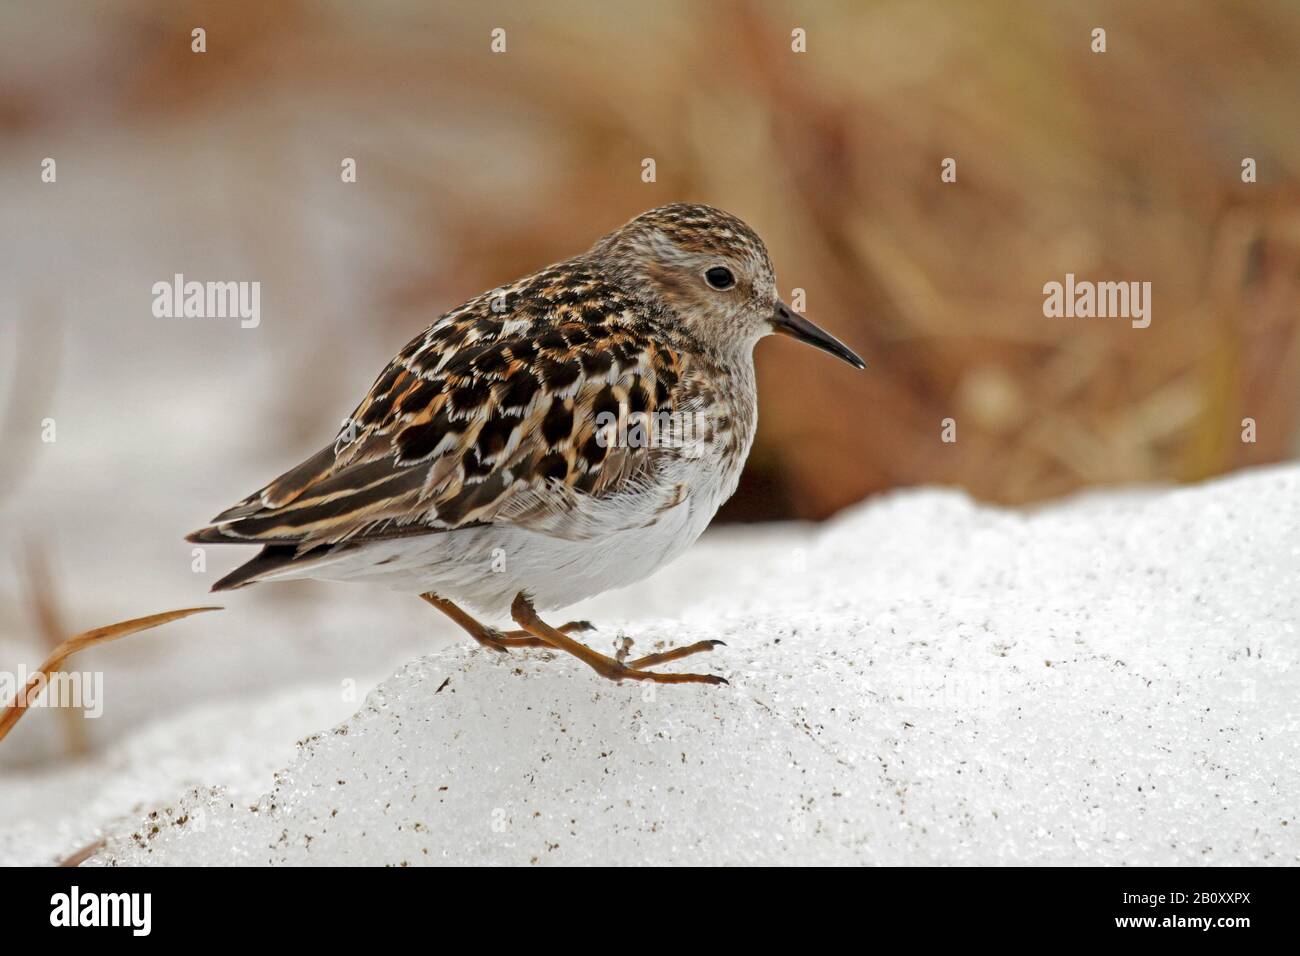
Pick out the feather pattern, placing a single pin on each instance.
(582, 405)
(499, 416)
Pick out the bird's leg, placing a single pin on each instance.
(490, 636)
(537, 633)
(676, 653)
(526, 617)
(487, 636)
(524, 639)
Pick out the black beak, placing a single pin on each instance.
(788, 322)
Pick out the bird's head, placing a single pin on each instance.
(712, 274)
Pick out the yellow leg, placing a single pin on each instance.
(526, 617)
(677, 653)
(490, 636)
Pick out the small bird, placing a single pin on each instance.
(550, 439)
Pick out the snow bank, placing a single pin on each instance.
(922, 680)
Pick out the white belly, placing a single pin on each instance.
(624, 539)
(484, 568)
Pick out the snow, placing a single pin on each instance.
(1110, 680)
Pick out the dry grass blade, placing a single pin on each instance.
(82, 855)
(100, 635)
(49, 622)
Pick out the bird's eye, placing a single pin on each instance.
(720, 278)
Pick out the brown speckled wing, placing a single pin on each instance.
(488, 416)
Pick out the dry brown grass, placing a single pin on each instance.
(1121, 166)
(14, 712)
(48, 616)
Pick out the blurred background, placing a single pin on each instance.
(474, 168)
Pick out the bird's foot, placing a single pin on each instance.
(537, 633)
(608, 667)
(524, 639)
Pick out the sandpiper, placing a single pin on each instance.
(553, 438)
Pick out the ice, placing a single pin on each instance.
(46, 815)
(1111, 680)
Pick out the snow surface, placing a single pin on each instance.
(922, 680)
